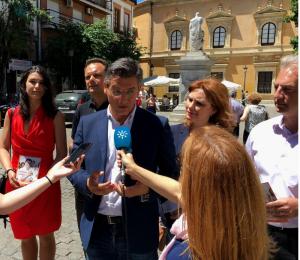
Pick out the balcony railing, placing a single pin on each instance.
(105, 4)
(57, 19)
(126, 30)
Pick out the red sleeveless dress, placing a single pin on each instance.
(42, 215)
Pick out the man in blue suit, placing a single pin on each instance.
(116, 225)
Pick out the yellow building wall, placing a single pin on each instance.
(244, 47)
(143, 36)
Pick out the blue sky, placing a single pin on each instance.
(139, 1)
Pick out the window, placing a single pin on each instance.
(264, 83)
(126, 21)
(174, 75)
(77, 16)
(117, 16)
(174, 88)
(268, 34)
(176, 38)
(217, 75)
(219, 37)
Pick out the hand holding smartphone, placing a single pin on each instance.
(269, 193)
(269, 197)
(80, 150)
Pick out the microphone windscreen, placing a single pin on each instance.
(122, 138)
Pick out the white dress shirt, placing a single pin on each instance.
(111, 204)
(274, 150)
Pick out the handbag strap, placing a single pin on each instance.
(10, 130)
(5, 217)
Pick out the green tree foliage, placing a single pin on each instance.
(16, 39)
(128, 47)
(67, 40)
(98, 38)
(86, 41)
(293, 17)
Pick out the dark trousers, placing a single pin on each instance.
(79, 202)
(245, 136)
(236, 131)
(108, 242)
(151, 109)
(286, 242)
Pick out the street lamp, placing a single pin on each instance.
(245, 73)
(151, 74)
(151, 69)
(71, 54)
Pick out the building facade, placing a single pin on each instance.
(244, 39)
(118, 13)
(122, 15)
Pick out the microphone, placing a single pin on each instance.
(122, 138)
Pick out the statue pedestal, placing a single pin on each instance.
(193, 66)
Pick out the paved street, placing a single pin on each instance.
(67, 238)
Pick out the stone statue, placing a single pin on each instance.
(196, 34)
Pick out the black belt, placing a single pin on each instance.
(110, 220)
(278, 229)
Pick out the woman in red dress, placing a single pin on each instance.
(34, 129)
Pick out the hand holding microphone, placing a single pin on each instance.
(126, 160)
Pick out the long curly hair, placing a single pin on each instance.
(218, 96)
(222, 198)
(47, 100)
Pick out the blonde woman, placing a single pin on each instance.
(224, 214)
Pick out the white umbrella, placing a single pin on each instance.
(161, 80)
(231, 86)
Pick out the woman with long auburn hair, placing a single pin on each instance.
(224, 215)
(207, 103)
(213, 95)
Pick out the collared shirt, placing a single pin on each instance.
(111, 204)
(237, 109)
(85, 109)
(274, 150)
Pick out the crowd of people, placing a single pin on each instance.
(197, 168)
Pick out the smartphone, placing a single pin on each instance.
(80, 150)
(269, 193)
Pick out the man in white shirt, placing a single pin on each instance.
(273, 145)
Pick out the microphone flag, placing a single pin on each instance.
(122, 138)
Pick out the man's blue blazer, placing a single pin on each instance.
(152, 148)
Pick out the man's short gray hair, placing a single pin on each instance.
(124, 68)
(289, 61)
